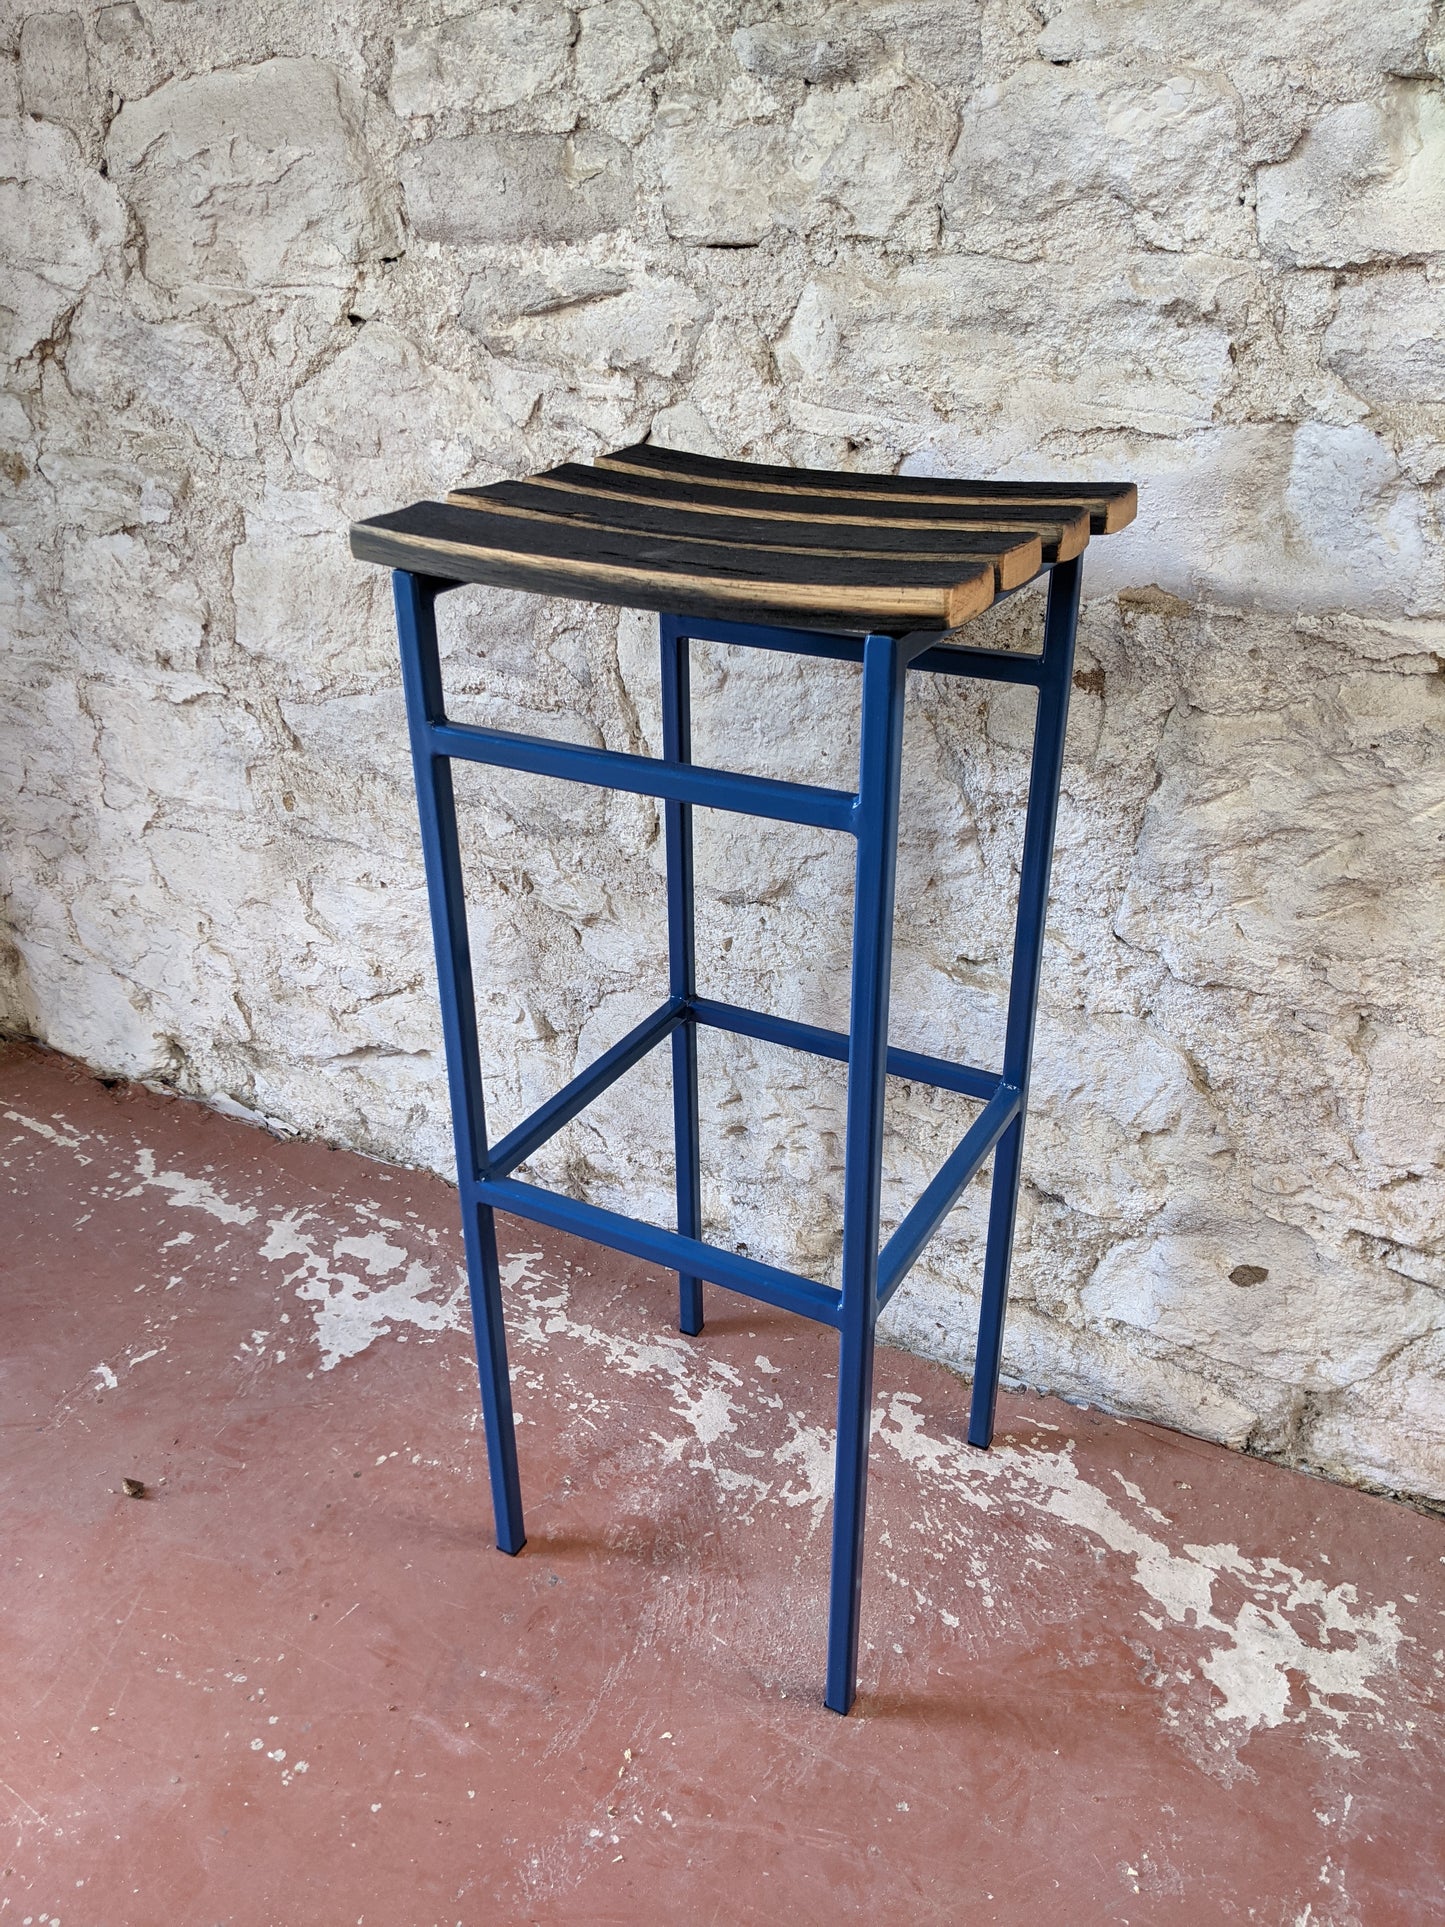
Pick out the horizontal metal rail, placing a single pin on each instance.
(932, 654)
(668, 1249)
(965, 1079)
(901, 1251)
(795, 642)
(573, 1098)
(713, 789)
(988, 665)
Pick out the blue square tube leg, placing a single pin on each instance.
(880, 763)
(1060, 622)
(422, 682)
(682, 958)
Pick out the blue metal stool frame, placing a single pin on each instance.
(869, 1276)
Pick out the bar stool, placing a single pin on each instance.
(877, 570)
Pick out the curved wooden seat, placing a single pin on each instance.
(656, 528)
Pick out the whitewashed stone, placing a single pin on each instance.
(59, 219)
(301, 609)
(1387, 340)
(725, 186)
(617, 46)
(652, 327)
(802, 50)
(258, 178)
(486, 188)
(1367, 183)
(904, 345)
(1262, 1300)
(876, 152)
(1238, 34)
(126, 52)
(1060, 153)
(178, 370)
(54, 72)
(1389, 1429)
(478, 62)
(870, 236)
(381, 419)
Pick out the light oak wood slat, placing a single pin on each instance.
(1063, 532)
(1112, 505)
(466, 545)
(1016, 557)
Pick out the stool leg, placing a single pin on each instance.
(1060, 622)
(682, 959)
(446, 893)
(880, 764)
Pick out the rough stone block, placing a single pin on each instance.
(1063, 156)
(801, 50)
(54, 72)
(650, 328)
(725, 186)
(489, 188)
(59, 218)
(481, 62)
(1386, 340)
(1246, 39)
(616, 47)
(253, 179)
(1367, 183)
(178, 370)
(381, 420)
(126, 52)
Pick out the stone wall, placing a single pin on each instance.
(269, 268)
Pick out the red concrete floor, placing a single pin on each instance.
(1111, 1674)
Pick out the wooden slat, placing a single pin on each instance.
(1015, 556)
(1063, 532)
(693, 578)
(1111, 505)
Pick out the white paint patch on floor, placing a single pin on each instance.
(1287, 1623)
(1277, 1645)
(188, 1193)
(351, 1314)
(66, 1140)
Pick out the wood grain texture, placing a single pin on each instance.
(606, 494)
(1111, 505)
(1015, 555)
(693, 578)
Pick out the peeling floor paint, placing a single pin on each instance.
(1159, 1642)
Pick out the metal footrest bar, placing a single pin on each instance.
(573, 1098)
(669, 1249)
(965, 1080)
(715, 789)
(914, 1065)
(903, 1249)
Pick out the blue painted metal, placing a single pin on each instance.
(682, 960)
(436, 804)
(669, 1249)
(1060, 623)
(905, 1246)
(869, 1278)
(880, 761)
(716, 789)
(913, 1065)
(574, 1098)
